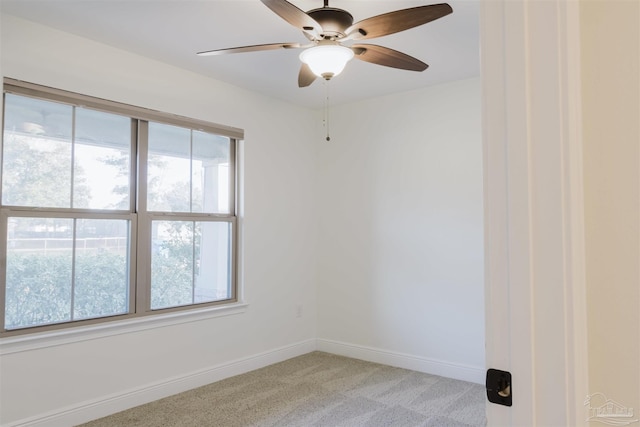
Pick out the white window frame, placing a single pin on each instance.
(140, 315)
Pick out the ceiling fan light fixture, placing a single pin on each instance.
(327, 60)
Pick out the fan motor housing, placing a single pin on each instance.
(334, 21)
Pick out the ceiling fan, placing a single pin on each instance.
(327, 28)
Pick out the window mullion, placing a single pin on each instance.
(73, 157)
(191, 171)
(143, 252)
(233, 258)
(233, 145)
(4, 219)
(73, 268)
(134, 167)
(193, 262)
(132, 253)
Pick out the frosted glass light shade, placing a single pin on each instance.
(327, 61)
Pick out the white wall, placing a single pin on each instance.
(279, 231)
(611, 116)
(401, 278)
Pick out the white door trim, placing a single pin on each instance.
(533, 195)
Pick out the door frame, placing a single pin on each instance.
(535, 292)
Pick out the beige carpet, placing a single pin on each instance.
(316, 389)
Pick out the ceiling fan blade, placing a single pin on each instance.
(294, 16)
(381, 55)
(393, 22)
(306, 76)
(253, 48)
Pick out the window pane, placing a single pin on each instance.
(101, 160)
(36, 163)
(102, 268)
(171, 263)
(39, 265)
(169, 169)
(175, 278)
(211, 159)
(213, 268)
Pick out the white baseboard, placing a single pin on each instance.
(97, 408)
(406, 361)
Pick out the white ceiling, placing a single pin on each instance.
(172, 31)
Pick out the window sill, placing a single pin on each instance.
(85, 333)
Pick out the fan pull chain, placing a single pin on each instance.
(326, 109)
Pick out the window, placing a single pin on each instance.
(109, 211)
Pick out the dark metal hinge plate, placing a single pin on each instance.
(499, 387)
